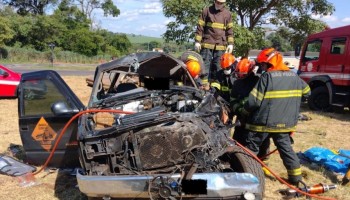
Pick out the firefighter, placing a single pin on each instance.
(194, 63)
(272, 109)
(225, 77)
(246, 79)
(214, 36)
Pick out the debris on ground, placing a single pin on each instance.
(303, 117)
(12, 167)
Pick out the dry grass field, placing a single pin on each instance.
(327, 130)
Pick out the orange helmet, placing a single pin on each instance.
(266, 55)
(226, 60)
(193, 67)
(243, 68)
(273, 57)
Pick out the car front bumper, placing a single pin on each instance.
(218, 185)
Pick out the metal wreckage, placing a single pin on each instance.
(165, 142)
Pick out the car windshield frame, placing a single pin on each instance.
(145, 64)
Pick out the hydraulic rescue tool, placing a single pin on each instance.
(315, 189)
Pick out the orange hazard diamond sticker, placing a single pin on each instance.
(44, 134)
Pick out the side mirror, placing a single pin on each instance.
(5, 74)
(297, 49)
(61, 107)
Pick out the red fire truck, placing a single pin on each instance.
(325, 66)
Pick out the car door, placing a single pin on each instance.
(312, 59)
(8, 83)
(336, 59)
(45, 105)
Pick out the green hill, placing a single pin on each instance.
(142, 39)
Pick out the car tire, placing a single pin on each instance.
(319, 99)
(241, 161)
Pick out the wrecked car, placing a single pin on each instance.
(152, 134)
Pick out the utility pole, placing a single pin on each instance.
(52, 46)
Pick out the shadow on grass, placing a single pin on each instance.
(338, 114)
(66, 187)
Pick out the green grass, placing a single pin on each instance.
(143, 39)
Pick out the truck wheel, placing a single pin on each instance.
(241, 161)
(319, 99)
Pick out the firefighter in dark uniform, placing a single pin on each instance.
(214, 37)
(244, 83)
(225, 77)
(272, 109)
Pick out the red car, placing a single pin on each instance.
(9, 81)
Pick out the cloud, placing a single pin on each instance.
(325, 18)
(152, 8)
(346, 20)
(136, 16)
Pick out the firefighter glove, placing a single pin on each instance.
(229, 48)
(197, 47)
(243, 101)
(242, 112)
(235, 107)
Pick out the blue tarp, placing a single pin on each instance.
(334, 161)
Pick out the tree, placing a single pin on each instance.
(186, 16)
(250, 16)
(71, 16)
(88, 6)
(45, 30)
(21, 27)
(6, 33)
(25, 7)
(82, 41)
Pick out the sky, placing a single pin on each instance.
(145, 17)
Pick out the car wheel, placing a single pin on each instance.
(319, 99)
(241, 161)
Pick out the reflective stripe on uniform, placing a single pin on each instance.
(225, 88)
(216, 25)
(205, 81)
(230, 39)
(257, 94)
(294, 172)
(229, 25)
(277, 129)
(198, 38)
(276, 94)
(215, 84)
(306, 90)
(213, 46)
(201, 22)
(282, 94)
(190, 57)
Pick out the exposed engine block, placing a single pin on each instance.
(162, 146)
